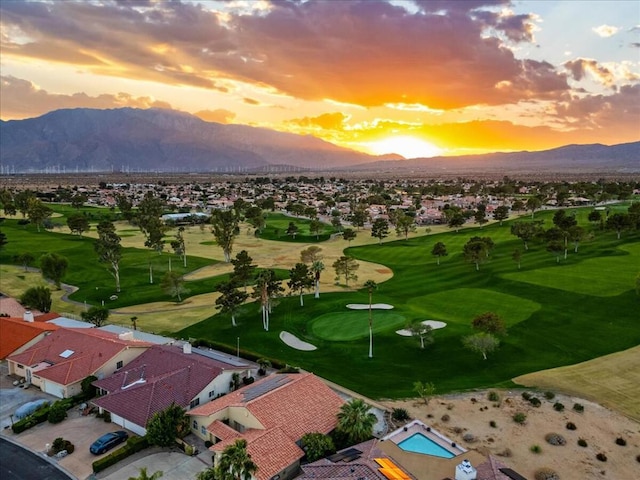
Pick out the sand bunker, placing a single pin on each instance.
(434, 324)
(294, 342)
(365, 306)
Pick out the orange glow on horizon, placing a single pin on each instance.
(405, 145)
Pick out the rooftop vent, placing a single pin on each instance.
(27, 316)
(186, 348)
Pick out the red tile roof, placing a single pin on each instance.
(170, 376)
(288, 406)
(15, 332)
(91, 348)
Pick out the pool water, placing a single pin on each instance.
(418, 443)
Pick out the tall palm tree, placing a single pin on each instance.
(370, 285)
(356, 421)
(235, 463)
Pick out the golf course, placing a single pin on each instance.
(558, 312)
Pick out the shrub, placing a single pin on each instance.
(555, 439)
(578, 407)
(248, 380)
(602, 457)
(493, 424)
(69, 447)
(399, 414)
(32, 420)
(505, 453)
(469, 437)
(571, 426)
(526, 396)
(582, 442)
(445, 418)
(638, 458)
(558, 407)
(621, 441)
(208, 443)
(519, 417)
(493, 396)
(57, 413)
(58, 444)
(546, 474)
(536, 449)
(549, 395)
(535, 401)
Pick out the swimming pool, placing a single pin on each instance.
(418, 443)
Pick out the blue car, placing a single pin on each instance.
(108, 441)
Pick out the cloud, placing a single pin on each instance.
(580, 67)
(605, 31)
(326, 121)
(350, 51)
(219, 115)
(251, 101)
(23, 99)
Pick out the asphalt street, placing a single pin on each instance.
(16, 463)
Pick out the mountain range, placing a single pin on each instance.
(158, 140)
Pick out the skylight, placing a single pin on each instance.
(67, 353)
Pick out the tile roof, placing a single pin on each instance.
(91, 350)
(363, 466)
(288, 406)
(170, 376)
(490, 470)
(12, 307)
(15, 332)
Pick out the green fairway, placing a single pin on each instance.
(342, 326)
(277, 224)
(548, 307)
(461, 304)
(602, 277)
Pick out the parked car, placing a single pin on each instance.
(30, 407)
(108, 441)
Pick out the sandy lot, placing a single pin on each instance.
(472, 413)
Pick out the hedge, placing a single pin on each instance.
(133, 445)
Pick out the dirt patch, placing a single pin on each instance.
(466, 419)
(383, 271)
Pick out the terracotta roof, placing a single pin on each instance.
(15, 333)
(45, 317)
(288, 406)
(490, 470)
(362, 466)
(90, 348)
(169, 376)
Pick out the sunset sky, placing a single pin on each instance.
(414, 77)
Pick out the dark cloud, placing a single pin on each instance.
(22, 99)
(353, 51)
(251, 101)
(579, 68)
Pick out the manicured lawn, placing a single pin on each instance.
(474, 301)
(342, 326)
(552, 318)
(277, 224)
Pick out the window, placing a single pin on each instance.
(21, 367)
(119, 365)
(203, 430)
(194, 403)
(212, 393)
(195, 425)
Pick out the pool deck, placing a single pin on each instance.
(426, 467)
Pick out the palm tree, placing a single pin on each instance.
(356, 421)
(145, 476)
(370, 286)
(316, 268)
(235, 463)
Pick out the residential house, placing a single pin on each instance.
(59, 362)
(16, 334)
(272, 415)
(162, 375)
